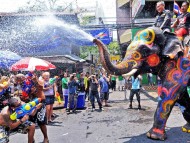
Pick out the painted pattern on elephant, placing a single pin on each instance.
(163, 55)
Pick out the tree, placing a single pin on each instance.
(43, 6)
(113, 49)
(86, 20)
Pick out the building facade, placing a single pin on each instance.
(137, 13)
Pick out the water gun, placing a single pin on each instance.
(25, 109)
(57, 95)
(5, 83)
(53, 80)
(188, 90)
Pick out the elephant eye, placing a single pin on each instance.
(145, 51)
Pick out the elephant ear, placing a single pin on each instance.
(172, 47)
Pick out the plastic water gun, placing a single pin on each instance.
(57, 95)
(53, 80)
(5, 83)
(25, 109)
(188, 90)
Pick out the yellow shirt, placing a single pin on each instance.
(85, 82)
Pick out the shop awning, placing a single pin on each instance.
(62, 58)
(126, 36)
(122, 2)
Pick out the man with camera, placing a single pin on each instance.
(72, 88)
(94, 92)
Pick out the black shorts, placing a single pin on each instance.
(40, 116)
(50, 100)
(104, 96)
(22, 128)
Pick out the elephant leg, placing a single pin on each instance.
(185, 109)
(161, 115)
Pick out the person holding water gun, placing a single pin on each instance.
(188, 87)
(21, 125)
(50, 90)
(5, 91)
(35, 91)
(57, 95)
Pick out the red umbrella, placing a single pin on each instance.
(31, 64)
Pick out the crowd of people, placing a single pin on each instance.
(22, 89)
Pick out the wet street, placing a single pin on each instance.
(116, 124)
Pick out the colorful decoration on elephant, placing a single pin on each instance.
(161, 54)
(153, 60)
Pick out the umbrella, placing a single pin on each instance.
(31, 64)
(7, 58)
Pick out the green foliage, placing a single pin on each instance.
(113, 49)
(87, 19)
(86, 50)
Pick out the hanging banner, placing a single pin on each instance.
(105, 35)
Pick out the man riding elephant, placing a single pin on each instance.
(163, 18)
(163, 55)
(183, 22)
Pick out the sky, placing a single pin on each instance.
(13, 5)
(108, 8)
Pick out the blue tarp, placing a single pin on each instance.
(8, 58)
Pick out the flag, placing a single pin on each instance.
(176, 9)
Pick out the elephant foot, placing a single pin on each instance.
(186, 128)
(156, 134)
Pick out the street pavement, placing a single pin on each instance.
(116, 124)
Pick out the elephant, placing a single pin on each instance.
(162, 54)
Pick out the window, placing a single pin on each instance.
(149, 10)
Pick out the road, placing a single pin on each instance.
(116, 124)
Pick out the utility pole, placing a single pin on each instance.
(131, 13)
(77, 6)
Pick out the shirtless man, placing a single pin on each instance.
(8, 125)
(36, 91)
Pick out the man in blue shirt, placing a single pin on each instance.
(72, 87)
(104, 88)
(136, 82)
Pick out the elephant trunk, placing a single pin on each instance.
(119, 69)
